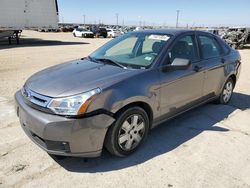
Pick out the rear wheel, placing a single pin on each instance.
(227, 92)
(128, 133)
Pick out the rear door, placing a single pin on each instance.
(212, 63)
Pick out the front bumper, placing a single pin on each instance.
(63, 136)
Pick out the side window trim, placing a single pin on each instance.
(197, 48)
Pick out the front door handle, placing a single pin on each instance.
(197, 68)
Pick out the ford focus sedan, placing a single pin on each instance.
(115, 96)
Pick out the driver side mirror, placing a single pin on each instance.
(178, 64)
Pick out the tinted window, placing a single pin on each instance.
(152, 45)
(225, 48)
(124, 47)
(184, 48)
(209, 46)
(136, 50)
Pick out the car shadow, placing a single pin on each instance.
(29, 42)
(165, 138)
(240, 101)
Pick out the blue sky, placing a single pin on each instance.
(157, 12)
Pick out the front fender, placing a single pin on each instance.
(141, 87)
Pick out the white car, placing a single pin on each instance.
(138, 29)
(112, 33)
(82, 32)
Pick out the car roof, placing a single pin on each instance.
(173, 32)
(164, 31)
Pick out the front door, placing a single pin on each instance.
(180, 88)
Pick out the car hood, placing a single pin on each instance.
(76, 77)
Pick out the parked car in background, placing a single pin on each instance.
(138, 29)
(82, 32)
(99, 32)
(113, 97)
(67, 29)
(112, 33)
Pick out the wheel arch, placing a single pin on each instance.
(145, 106)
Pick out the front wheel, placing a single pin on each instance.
(128, 132)
(227, 92)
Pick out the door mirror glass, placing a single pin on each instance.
(177, 64)
(180, 62)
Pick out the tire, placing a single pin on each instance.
(131, 126)
(227, 92)
(83, 36)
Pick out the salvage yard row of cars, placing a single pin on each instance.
(235, 37)
(96, 32)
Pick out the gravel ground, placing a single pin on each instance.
(206, 147)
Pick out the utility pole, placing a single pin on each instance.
(177, 18)
(84, 16)
(117, 19)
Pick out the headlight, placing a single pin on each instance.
(74, 105)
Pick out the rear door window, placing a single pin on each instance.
(209, 47)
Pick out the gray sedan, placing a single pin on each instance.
(113, 97)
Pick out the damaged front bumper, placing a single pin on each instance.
(59, 135)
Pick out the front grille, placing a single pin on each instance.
(35, 98)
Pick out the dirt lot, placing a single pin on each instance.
(206, 147)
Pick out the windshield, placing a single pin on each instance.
(135, 50)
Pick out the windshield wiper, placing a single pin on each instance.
(92, 59)
(111, 62)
